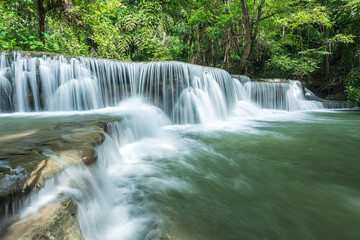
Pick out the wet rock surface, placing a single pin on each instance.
(30, 156)
(56, 220)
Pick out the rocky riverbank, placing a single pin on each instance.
(56, 220)
(30, 156)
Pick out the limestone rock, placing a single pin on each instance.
(30, 157)
(56, 220)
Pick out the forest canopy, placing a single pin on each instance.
(316, 41)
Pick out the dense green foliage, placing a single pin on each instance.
(352, 85)
(313, 40)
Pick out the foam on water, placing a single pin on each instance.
(185, 93)
(60, 83)
(133, 164)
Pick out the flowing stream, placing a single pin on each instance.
(197, 154)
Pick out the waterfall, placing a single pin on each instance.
(202, 102)
(5, 86)
(241, 78)
(61, 83)
(309, 95)
(134, 162)
(186, 93)
(340, 105)
(109, 194)
(280, 95)
(240, 91)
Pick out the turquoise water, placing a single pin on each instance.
(233, 170)
(280, 175)
(282, 179)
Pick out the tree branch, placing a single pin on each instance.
(291, 7)
(258, 20)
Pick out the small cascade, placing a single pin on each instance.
(309, 95)
(240, 91)
(268, 95)
(201, 103)
(5, 86)
(243, 79)
(339, 105)
(280, 95)
(5, 93)
(141, 120)
(121, 158)
(296, 99)
(330, 104)
(79, 94)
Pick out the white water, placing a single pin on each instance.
(111, 196)
(186, 93)
(150, 97)
(108, 194)
(77, 84)
(280, 95)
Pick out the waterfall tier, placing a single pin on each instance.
(281, 95)
(186, 93)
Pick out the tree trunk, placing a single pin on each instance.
(327, 58)
(212, 53)
(244, 59)
(42, 12)
(250, 33)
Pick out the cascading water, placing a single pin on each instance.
(240, 91)
(186, 93)
(330, 104)
(280, 95)
(241, 78)
(129, 142)
(309, 95)
(75, 84)
(5, 86)
(203, 102)
(150, 172)
(109, 195)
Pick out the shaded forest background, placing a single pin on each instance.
(316, 41)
